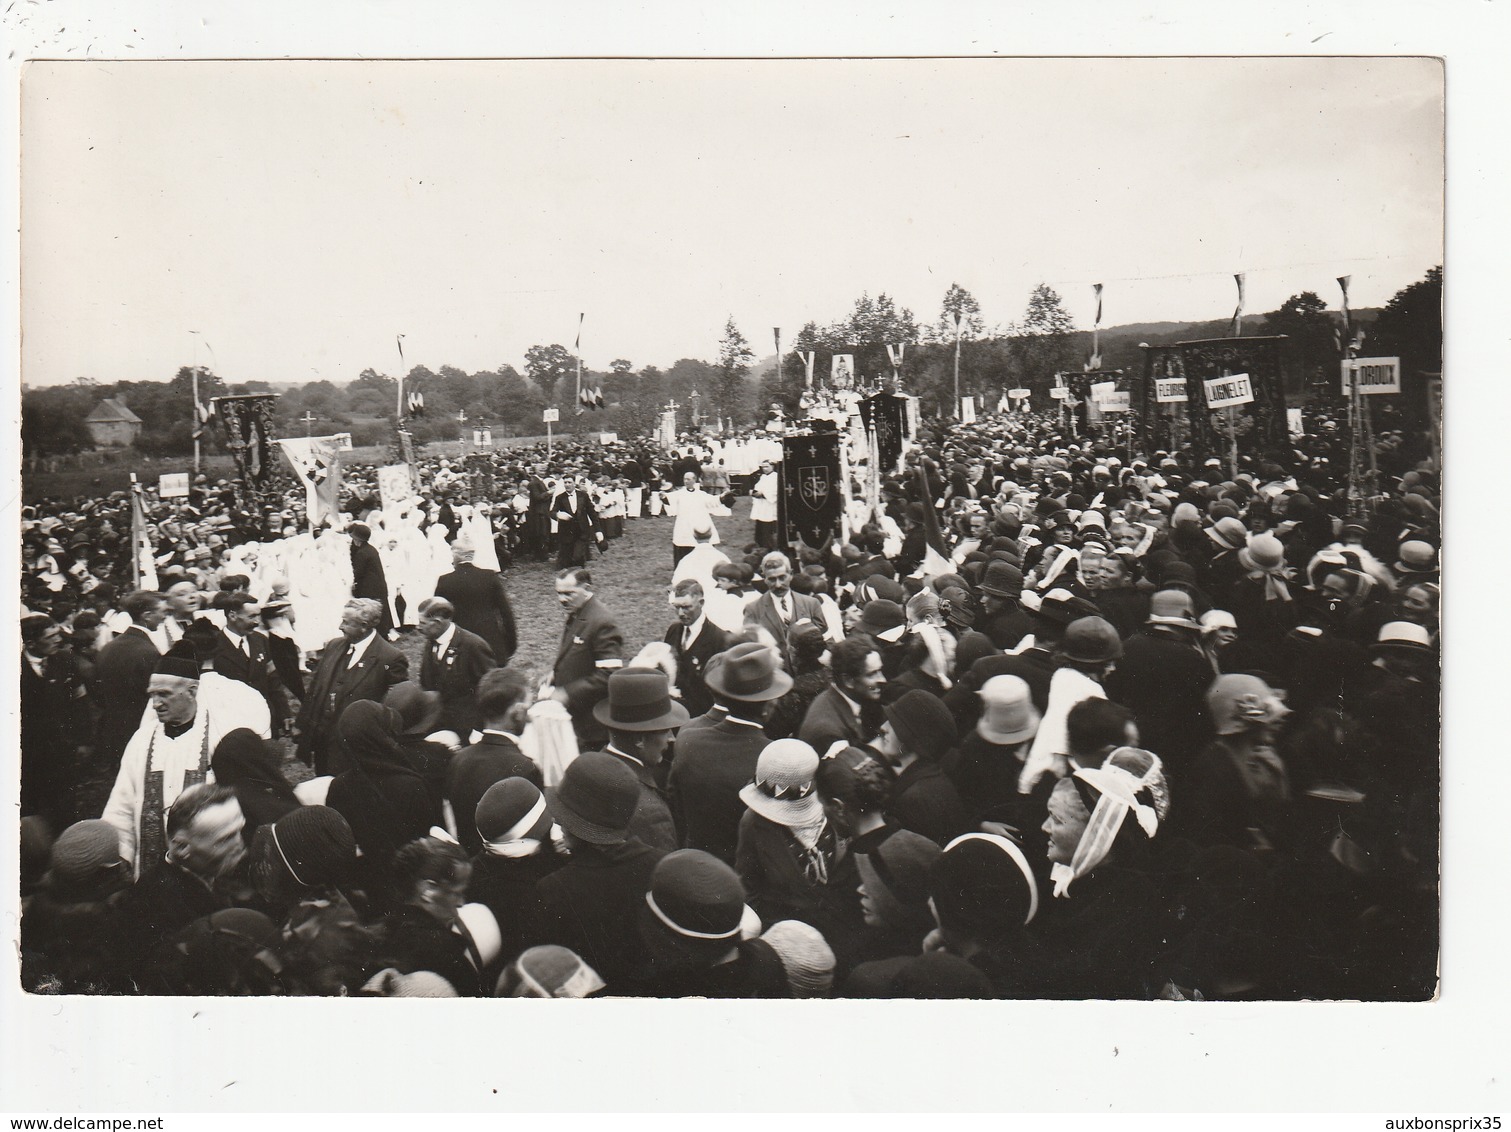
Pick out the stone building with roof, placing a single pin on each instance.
(113, 425)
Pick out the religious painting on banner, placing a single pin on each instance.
(395, 486)
(247, 420)
(812, 493)
(887, 416)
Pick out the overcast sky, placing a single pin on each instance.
(300, 215)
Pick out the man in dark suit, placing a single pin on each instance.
(591, 649)
(51, 711)
(502, 702)
(1034, 665)
(778, 609)
(122, 672)
(850, 708)
(368, 579)
(714, 763)
(576, 523)
(694, 640)
(357, 665)
(1163, 679)
(453, 662)
(480, 601)
(242, 652)
(538, 515)
(592, 905)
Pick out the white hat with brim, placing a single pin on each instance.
(784, 790)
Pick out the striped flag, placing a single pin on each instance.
(577, 345)
(1238, 312)
(1097, 290)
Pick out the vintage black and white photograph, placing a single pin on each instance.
(836, 529)
(477, 547)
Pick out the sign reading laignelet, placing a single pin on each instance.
(811, 491)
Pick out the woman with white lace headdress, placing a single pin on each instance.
(1102, 925)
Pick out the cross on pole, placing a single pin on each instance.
(308, 419)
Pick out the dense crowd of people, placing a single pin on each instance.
(1060, 718)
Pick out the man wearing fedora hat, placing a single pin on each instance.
(591, 904)
(1163, 679)
(641, 718)
(714, 763)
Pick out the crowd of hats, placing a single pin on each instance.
(1192, 536)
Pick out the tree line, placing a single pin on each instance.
(1023, 352)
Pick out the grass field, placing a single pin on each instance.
(631, 580)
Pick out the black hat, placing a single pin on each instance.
(639, 699)
(418, 709)
(316, 845)
(1003, 579)
(596, 799)
(180, 660)
(923, 724)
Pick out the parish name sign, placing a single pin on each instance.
(1170, 390)
(1376, 375)
(1223, 392)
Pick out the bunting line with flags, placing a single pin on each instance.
(316, 460)
(1238, 311)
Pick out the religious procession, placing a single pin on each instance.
(1129, 696)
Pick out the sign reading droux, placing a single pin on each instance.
(1376, 375)
(1225, 391)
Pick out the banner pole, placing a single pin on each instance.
(1233, 440)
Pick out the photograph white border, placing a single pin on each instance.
(67, 1056)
